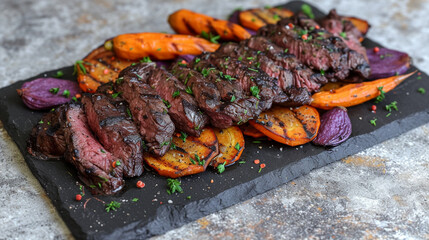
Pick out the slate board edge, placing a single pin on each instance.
(173, 216)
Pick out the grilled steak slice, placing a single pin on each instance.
(146, 107)
(233, 101)
(319, 50)
(92, 161)
(344, 29)
(115, 130)
(47, 137)
(205, 92)
(182, 107)
(302, 76)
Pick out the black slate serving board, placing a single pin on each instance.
(153, 215)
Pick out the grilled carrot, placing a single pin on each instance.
(258, 17)
(356, 93)
(159, 46)
(187, 22)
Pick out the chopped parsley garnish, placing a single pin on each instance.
(66, 93)
(183, 136)
(286, 50)
(276, 17)
(102, 150)
(146, 60)
(118, 163)
(188, 90)
(115, 95)
(119, 80)
(205, 72)
(54, 90)
(167, 103)
(250, 58)
(252, 69)
(256, 141)
(255, 91)
(173, 186)
(135, 199)
(138, 76)
(197, 60)
(59, 74)
(165, 143)
(192, 161)
(343, 34)
(306, 9)
(113, 205)
(233, 98)
(129, 113)
(221, 167)
(41, 122)
(373, 121)
(322, 72)
(421, 90)
(229, 78)
(380, 97)
(74, 99)
(237, 146)
(240, 58)
(391, 106)
(209, 36)
(241, 162)
(159, 49)
(188, 197)
(176, 93)
(173, 146)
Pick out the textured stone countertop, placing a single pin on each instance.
(382, 192)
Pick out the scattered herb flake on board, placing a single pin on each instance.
(391, 106)
(113, 205)
(188, 197)
(241, 162)
(380, 97)
(173, 186)
(421, 90)
(373, 121)
(306, 9)
(257, 141)
(135, 199)
(59, 74)
(221, 167)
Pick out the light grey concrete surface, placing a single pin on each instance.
(382, 192)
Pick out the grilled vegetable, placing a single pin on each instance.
(362, 25)
(100, 66)
(259, 17)
(356, 93)
(187, 155)
(335, 127)
(44, 93)
(250, 131)
(187, 22)
(293, 127)
(159, 46)
(386, 62)
(231, 146)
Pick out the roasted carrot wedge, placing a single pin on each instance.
(256, 18)
(159, 46)
(250, 131)
(356, 93)
(187, 22)
(231, 146)
(292, 127)
(188, 155)
(100, 66)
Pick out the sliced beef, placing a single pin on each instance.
(205, 93)
(146, 107)
(108, 119)
(92, 161)
(343, 28)
(318, 49)
(47, 137)
(182, 107)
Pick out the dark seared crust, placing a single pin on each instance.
(92, 161)
(182, 107)
(115, 130)
(322, 51)
(148, 111)
(47, 137)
